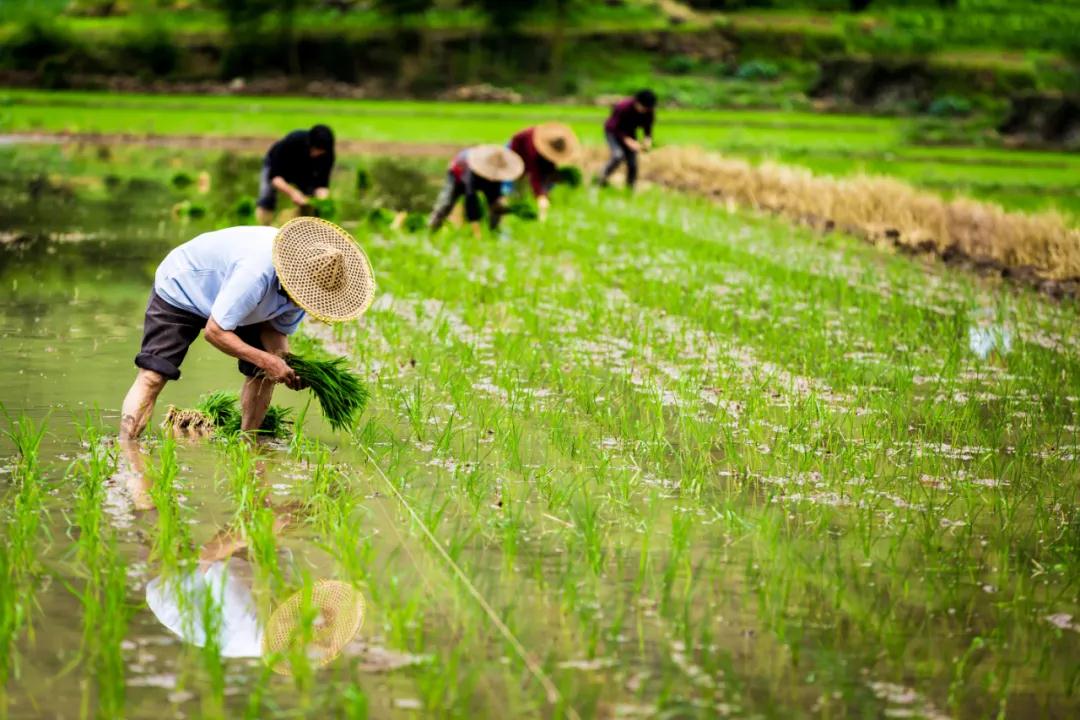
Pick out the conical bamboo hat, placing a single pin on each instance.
(557, 143)
(323, 270)
(495, 162)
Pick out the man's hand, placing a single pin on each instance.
(646, 143)
(277, 370)
(300, 198)
(632, 144)
(322, 193)
(542, 204)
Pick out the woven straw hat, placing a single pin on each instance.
(495, 162)
(323, 269)
(340, 613)
(557, 143)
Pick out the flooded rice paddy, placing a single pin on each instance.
(689, 463)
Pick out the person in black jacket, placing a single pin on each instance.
(298, 165)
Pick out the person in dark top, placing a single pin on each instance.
(544, 149)
(298, 165)
(620, 130)
(480, 170)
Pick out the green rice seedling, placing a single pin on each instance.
(570, 176)
(342, 396)
(324, 208)
(104, 592)
(380, 218)
(27, 502)
(244, 208)
(523, 208)
(171, 546)
(223, 409)
(20, 551)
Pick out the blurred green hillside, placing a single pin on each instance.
(965, 64)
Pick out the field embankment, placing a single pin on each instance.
(1041, 247)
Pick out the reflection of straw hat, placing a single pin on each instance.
(339, 613)
(556, 142)
(495, 162)
(323, 269)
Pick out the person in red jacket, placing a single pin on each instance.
(620, 130)
(545, 148)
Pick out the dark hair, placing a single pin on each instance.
(646, 98)
(321, 137)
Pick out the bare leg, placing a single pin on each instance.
(264, 216)
(139, 403)
(255, 398)
(137, 410)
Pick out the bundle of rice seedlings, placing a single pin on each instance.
(341, 394)
(187, 422)
(223, 410)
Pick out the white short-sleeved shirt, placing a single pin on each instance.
(228, 275)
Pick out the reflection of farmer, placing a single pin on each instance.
(621, 132)
(480, 170)
(216, 599)
(544, 149)
(298, 165)
(248, 288)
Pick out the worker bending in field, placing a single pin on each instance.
(544, 149)
(298, 165)
(480, 170)
(248, 288)
(620, 130)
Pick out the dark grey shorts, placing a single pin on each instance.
(267, 193)
(169, 331)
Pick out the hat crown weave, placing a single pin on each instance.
(327, 267)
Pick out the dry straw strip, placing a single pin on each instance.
(878, 208)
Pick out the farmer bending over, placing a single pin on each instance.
(248, 288)
(298, 165)
(620, 130)
(477, 171)
(544, 149)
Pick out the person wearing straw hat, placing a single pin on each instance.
(298, 165)
(477, 171)
(544, 149)
(620, 131)
(248, 288)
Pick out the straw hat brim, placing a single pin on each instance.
(495, 162)
(557, 143)
(297, 246)
(342, 608)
